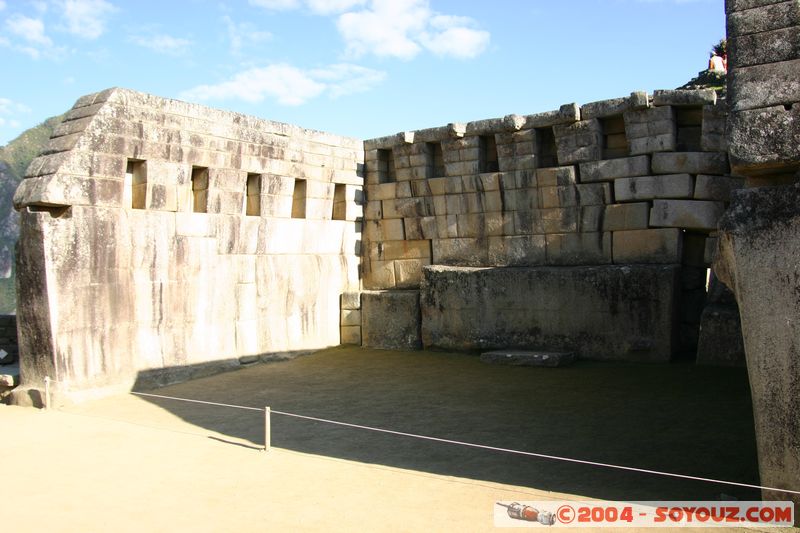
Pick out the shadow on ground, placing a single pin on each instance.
(678, 418)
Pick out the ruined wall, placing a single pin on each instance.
(162, 235)
(635, 180)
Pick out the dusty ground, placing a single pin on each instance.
(132, 464)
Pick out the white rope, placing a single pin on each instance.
(198, 401)
(484, 446)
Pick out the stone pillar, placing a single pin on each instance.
(759, 247)
(759, 239)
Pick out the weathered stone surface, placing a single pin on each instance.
(615, 106)
(351, 300)
(758, 250)
(351, 335)
(528, 358)
(611, 169)
(764, 85)
(651, 130)
(579, 141)
(390, 320)
(690, 163)
(619, 217)
(560, 309)
(650, 187)
(578, 248)
(658, 246)
(691, 214)
(767, 47)
(765, 141)
(720, 342)
(716, 188)
(555, 176)
(684, 97)
(566, 114)
(148, 290)
(763, 17)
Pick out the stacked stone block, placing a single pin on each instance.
(634, 180)
(350, 320)
(586, 209)
(764, 88)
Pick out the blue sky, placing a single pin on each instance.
(364, 68)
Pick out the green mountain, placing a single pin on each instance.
(14, 160)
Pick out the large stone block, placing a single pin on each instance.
(720, 342)
(650, 187)
(765, 141)
(763, 17)
(579, 141)
(615, 106)
(684, 98)
(686, 214)
(647, 246)
(764, 85)
(690, 163)
(768, 47)
(601, 312)
(611, 169)
(651, 130)
(390, 320)
(717, 188)
(759, 243)
(620, 217)
(578, 248)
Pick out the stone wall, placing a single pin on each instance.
(159, 235)
(635, 180)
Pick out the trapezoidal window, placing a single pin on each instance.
(615, 143)
(299, 199)
(690, 125)
(199, 189)
(488, 154)
(252, 201)
(136, 180)
(434, 160)
(385, 164)
(546, 148)
(339, 202)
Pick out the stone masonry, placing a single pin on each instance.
(759, 241)
(640, 180)
(161, 239)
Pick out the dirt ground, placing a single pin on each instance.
(129, 463)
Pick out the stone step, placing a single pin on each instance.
(528, 358)
(9, 376)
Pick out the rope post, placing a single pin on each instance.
(267, 430)
(47, 392)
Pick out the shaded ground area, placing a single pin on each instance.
(676, 418)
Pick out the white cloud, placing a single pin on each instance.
(343, 78)
(402, 28)
(86, 18)
(289, 85)
(29, 29)
(327, 7)
(395, 28)
(453, 36)
(10, 108)
(277, 5)
(243, 34)
(162, 43)
(2, 5)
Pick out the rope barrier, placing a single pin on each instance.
(473, 445)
